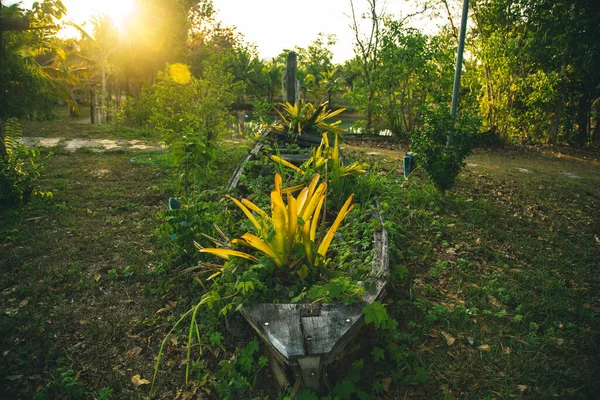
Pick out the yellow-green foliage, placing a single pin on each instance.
(288, 225)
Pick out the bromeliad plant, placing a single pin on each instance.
(325, 156)
(289, 235)
(302, 118)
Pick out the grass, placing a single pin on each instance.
(504, 280)
(67, 127)
(495, 287)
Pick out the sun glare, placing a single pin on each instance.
(119, 11)
(82, 11)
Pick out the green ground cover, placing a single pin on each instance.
(495, 287)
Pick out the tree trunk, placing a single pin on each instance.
(553, 135)
(102, 119)
(583, 118)
(595, 114)
(92, 107)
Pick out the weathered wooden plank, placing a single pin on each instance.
(380, 267)
(235, 178)
(322, 332)
(279, 326)
(311, 370)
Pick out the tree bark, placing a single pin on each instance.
(583, 118)
(554, 125)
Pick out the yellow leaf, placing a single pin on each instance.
(253, 207)
(292, 222)
(315, 219)
(138, 381)
(336, 151)
(278, 184)
(301, 200)
(247, 213)
(306, 240)
(346, 208)
(313, 201)
(279, 214)
(484, 347)
(303, 272)
(311, 189)
(262, 246)
(286, 163)
(225, 253)
(291, 189)
(325, 140)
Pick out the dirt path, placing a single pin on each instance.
(93, 144)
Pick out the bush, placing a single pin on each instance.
(443, 161)
(18, 167)
(490, 139)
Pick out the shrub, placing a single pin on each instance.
(18, 167)
(441, 159)
(188, 113)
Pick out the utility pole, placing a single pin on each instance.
(459, 60)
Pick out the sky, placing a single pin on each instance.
(265, 23)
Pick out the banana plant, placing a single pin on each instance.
(288, 225)
(325, 154)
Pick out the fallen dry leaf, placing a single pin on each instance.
(493, 301)
(133, 353)
(449, 338)
(386, 382)
(168, 306)
(138, 381)
(522, 388)
(484, 347)
(11, 312)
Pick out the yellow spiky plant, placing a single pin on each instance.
(325, 155)
(288, 225)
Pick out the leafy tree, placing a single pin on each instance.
(98, 50)
(415, 70)
(316, 67)
(27, 89)
(367, 49)
(539, 62)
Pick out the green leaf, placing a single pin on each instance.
(215, 338)
(306, 394)
(344, 389)
(376, 314)
(263, 361)
(336, 287)
(245, 287)
(378, 354)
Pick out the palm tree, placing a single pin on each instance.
(96, 51)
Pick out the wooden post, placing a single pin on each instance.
(291, 93)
